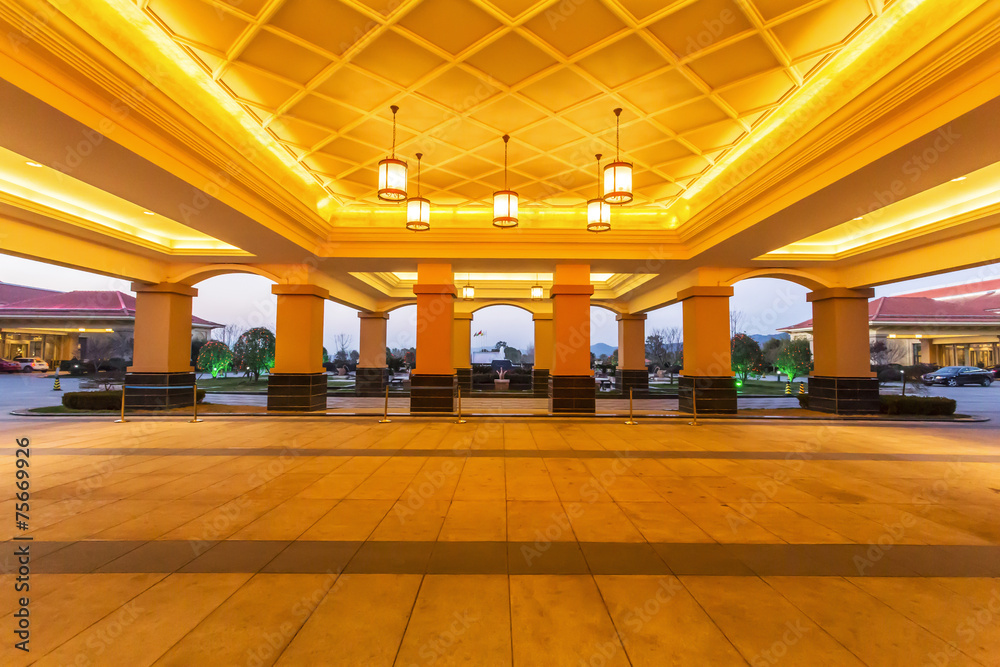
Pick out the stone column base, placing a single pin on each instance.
(158, 391)
(715, 395)
(370, 381)
(635, 379)
(432, 393)
(463, 377)
(572, 394)
(540, 382)
(302, 392)
(844, 396)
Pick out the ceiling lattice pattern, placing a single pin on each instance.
(694, 79)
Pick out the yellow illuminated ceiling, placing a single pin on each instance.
(962, 200)
(514, 286)
(695, 80)
(50, 192)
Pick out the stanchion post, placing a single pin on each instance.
(385, 413)
(122, 420)
(195, 420)
(459, 420)
(630, 422)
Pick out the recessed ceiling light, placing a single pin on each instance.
(32, 164)
(960, 178)
(149, 213)
(857, 218)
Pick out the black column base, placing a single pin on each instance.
(572, 394)
(463, 377)
(635, 379)
(432, 393)
(301, 392)
(158, 391)
(540, 382)
(370, 381)
(844, 396)
(713, 395)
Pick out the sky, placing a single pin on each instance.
(246, 300)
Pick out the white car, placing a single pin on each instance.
(29, 364)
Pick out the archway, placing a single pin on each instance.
(501, 339)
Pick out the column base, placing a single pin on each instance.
(844, 396)
(714, 395)
(635, 379)
(463, 377)
(301, 392)
(159, 391)
(432, 393)
(572, 394)
(540, 382)
(370, 381)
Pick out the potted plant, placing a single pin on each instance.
(501, 383)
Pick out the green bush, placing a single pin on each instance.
(100, 400)
(917, 405)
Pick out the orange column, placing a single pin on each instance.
(161, 375)
(461, 350)
(842, 381)
(298, 381)
(707, 379)
(544, 349)
(370, 375)
(571, 381)
(432, 381)
(632, 376)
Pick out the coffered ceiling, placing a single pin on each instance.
(694, 79)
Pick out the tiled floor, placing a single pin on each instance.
(340, 541)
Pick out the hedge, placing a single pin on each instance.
(100, 400)
(932, 406)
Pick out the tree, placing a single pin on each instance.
(228, 334)
(512, 354)
(342, 342)
(747, 359)
(656, 351)
(737, 322)
(214, 357)
(254, 352)
(794, 359)
(355, 355)
(771, 349)
(410, 357)
(326, 355)
(883, 354)
(673, 338)
(500, 344)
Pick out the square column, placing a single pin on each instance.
(632, 374)
(298, 379)
(461, 350)
(841, 381)
(371, 373)
(161, 375)
(707, 379)
(571, 381)
(544, 347)
(432, 382)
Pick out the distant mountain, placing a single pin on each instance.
(602, 348)
(763, 338)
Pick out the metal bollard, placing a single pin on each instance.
(122, 420)
(385, 413)
(195, 420)
(630, 422)
(694, 404)
(459, 420)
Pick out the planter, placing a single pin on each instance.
(501, 385)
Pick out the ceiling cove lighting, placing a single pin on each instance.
(618, 174)
(505, 201)
(468, 291)
(418, 209)
(598, 210)
(392, 172)
(536, 290)
(33, 164)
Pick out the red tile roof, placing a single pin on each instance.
(10, 293)
(958, 290)
(918, 309)
(82, 304)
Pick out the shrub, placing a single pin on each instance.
(794, 359)
(214, 357)
(747, 359)
(100, 400)
(917, 405)
(253, 353)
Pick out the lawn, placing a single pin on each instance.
(750, 387)
(241, 384)
(203, 408)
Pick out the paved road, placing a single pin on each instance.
(31, 390)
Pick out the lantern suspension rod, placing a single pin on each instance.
(419, 156)
(394, 109)
(618, 118)
(506, 138)
(598, 156)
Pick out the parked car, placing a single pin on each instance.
(8, 366)
(29, 364)
(996, 370)
(953, 376)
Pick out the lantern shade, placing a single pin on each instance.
(618, 183)
(598, 215)
(505, 208)
(418, 214)
(468, 292)
(391, 180)
(536, 292)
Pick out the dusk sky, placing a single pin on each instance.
(246, 300)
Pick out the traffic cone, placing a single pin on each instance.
(788, 388)
(802, 388)
(56, 386)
